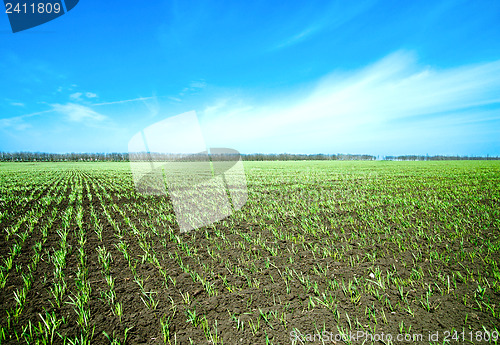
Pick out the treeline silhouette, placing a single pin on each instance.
(124, 157)
(439, 158)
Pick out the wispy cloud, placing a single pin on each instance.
(193, 87)
(126, 100)
(77, 96)
(299, 37)
(19, 122)
(198, 84)
(332, 17)
(78, 113)
(16, 123)
(13, 102)
(213, 109)
(74, 112)
(175, 99)
(152, 105)
(63, 88)
(227, 108)
(347, 107)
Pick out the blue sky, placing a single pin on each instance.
(378, 77)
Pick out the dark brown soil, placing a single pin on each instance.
(280, 308)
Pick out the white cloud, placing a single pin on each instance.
(126, 100)
(346, 108)
(197, 85)
(303, 35)
(213, 109)
(76, 96)
(17, 104)
(331, 17)
(16, 123)
(176, 99)
(78, 113)
(193, 87)
(152, 105)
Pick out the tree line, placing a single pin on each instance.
(125, 157)
(61, 157)
(439, 158)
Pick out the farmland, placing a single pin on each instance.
(337, 246)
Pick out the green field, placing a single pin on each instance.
(354, 250)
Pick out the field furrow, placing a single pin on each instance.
(322, 248)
